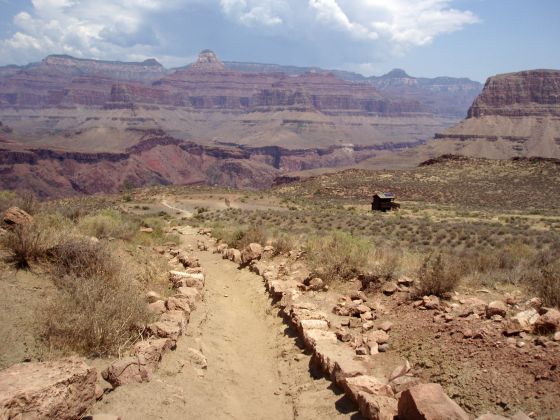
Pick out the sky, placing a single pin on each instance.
(428, 38)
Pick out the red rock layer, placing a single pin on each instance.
(527, 93)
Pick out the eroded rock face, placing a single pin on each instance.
(63, 389)
(429, 402)
(535, 92)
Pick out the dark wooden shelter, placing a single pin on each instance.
(384, 201)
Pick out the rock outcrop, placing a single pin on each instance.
(527, 93)
(516, 115)
(62, 390)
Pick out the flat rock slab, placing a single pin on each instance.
(429, 402)
(61, 390)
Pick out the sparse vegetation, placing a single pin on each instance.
(338, 256)
(437, 276)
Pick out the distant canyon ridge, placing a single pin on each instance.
(73, 126)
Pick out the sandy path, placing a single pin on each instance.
(255, 371)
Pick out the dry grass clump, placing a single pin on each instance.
(282, 244)
(437, 276)
(25, 200)
(338, 256)
(98, 309)
(108, 224)
(543, 275)
(26, 244)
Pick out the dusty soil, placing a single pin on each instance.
(21, 295)
(255, 368)
(483, 374)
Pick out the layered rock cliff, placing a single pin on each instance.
(527, 93)
(160, 159)
(516, 115)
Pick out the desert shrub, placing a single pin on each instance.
(282, 244)
(108, 224)
(437, 276)
(338, 256)
(386, 264)
(542, 275)
(94, 316)
(7, 200)
(82, 257)
(29, 243)
(25, 200)
(98, 308)
(255, 234)
(24, 245)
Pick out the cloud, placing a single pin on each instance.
(126, 29)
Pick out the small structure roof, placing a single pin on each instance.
(381, 194)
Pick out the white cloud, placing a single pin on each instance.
(123, 29)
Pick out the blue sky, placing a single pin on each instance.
(471, 38)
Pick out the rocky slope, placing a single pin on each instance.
(440, 95)
(517, 114)
(158, 159)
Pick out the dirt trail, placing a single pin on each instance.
(255, 370)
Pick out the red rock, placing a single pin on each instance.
(429, 402)
(496, 307)
(386, 326)
(132, 369)
(251, 252)
(377, 407)
(15, 216)
(179, 303)
(549, 322)
(378, 336)
(389, 288)
(178, 317)
(165, 329)
(157, 307)
(152, 351)
(63, 389)
(368, 384)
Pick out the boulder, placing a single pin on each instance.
(180, 318)
(132, 369)
(190, 293)
(402, 383)
(378, 336)
(377, 407)
(389, 288)
(386, 326)
(251, 252)
(157, 307)
(400, 371)
(187, 279)
(496, 307)
(165, 329)
(312, 336)
(549, 322)
(368, 384)
(15, 216)
(429, 402)
(178, 303)
(431, 302)
(314, 324)
(152, 351)
(63, 389)
(526, 319)
(316, 284)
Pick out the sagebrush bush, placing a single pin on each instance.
(94, 316)
(338, 256)
(29, 243)
(99, 308)
(282, 244)
(437, 276)
(108, 224)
